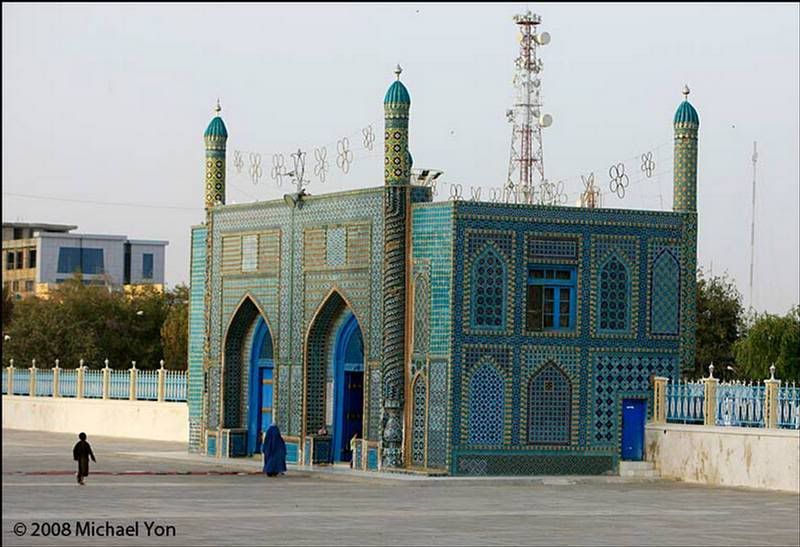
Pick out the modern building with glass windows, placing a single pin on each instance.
(381, 328)
(38, 257)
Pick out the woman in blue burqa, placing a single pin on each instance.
(274, 450)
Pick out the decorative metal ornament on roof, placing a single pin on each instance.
(648, 164)
(278, 168)
(552, 193)
(456, 192)
(345, 155)
(618, 180)
(321, 163)
(299, 172)
(369, 137)
(238, 161)
(591, 196)
(475, 193)
(255, 167)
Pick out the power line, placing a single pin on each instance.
(94, 202)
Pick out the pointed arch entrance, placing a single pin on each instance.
(247, 368)
(334, 379)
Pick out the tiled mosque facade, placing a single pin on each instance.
(469, 338)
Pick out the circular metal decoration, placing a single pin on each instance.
(648, 164)
(618, 180)
(255, 167)
(369, 137)
(345, 155)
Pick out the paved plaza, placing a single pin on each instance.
(153, 482)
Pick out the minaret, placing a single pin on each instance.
(397, 172)
(215, 137)
(684, 200)
(686, 124)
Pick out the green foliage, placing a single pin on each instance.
(8, 306)
(771, 339)
(92, 323)
(175, 330)
(719, 324)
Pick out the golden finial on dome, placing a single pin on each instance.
(685, 92)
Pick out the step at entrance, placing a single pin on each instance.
(638, 470)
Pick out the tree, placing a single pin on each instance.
(175, 331)
(8, 306)
(719, 324)
(771, 339)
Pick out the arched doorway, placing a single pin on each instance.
(348, 384)
(334, 376)
(261, 389)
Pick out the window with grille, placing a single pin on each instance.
(551, 297)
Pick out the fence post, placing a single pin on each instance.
(771, 399)
(161, 380)
(106, 380)
(132, 387)
(56, 386)
(710, 397)
(660, 399)
(79, 381)
(11, 377)
(32, 379)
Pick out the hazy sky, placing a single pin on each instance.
(107, 105)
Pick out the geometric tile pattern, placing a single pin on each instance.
(550, 400)
(616, 375)
(486, 406)
(437, 413)
(335, 247)
(665, 294)
(488, 285)
(614, 294)
(547, 248)
(418, 417)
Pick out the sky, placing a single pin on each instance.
(104, 108)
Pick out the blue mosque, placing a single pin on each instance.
(381, 328)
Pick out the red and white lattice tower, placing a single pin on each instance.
(526, 164)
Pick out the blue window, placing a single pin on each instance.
(147, 266)
(551, 298)
(75, 259)
(488, 291)
(614, 296)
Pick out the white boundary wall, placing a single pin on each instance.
(132, 419)
(726, 456)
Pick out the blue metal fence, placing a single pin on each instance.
(147, 385)
(685, 402)
(119, 383)
(789, 407)
(68, 383)
(740, 405)
(93, 384)
(44, 382)
(174, 385)
(22, 377)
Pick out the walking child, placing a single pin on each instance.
(81, 454)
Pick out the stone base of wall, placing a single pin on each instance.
(726, 456)
(132, 419)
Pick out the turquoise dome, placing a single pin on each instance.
(686, 114)
(216, 129)
(397, 94)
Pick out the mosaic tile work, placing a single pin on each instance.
(614, 296)
(489, 281)
(550, 407)
(486, 406)
(568, 360)
(375, 404)
(616, 375)
(196, 337)
(533, 464)
(335, 248)
(437, 413)
(615, 286)
(419, 393)
(665, 282)
(422, 310)
(234, 365)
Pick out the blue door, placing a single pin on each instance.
(348, 398)
(259, 415)
(634, 413)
